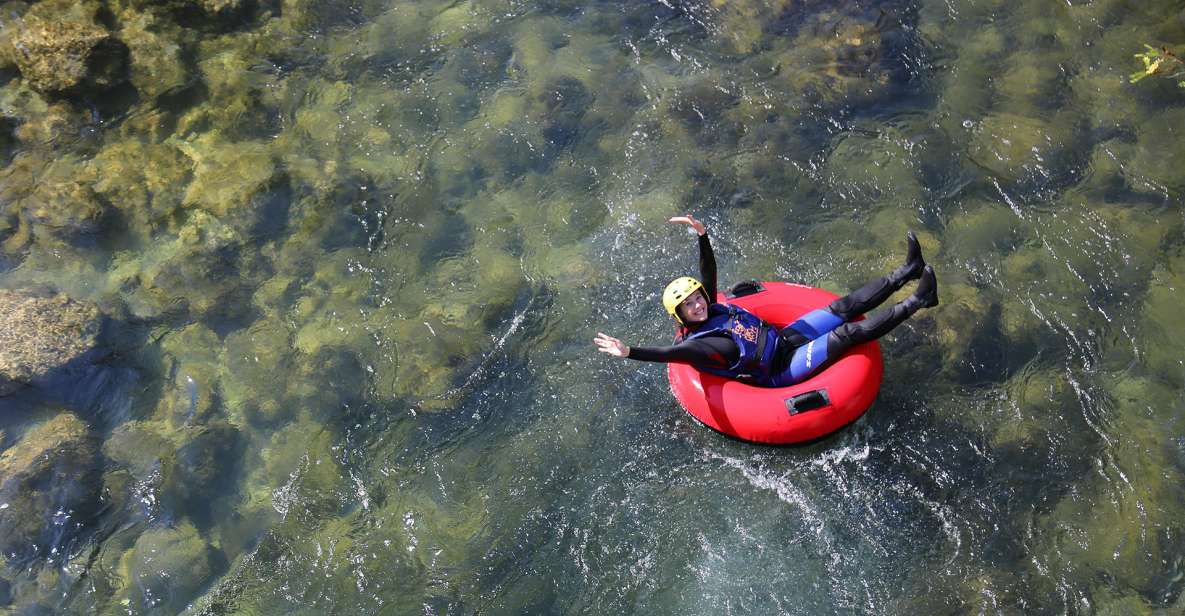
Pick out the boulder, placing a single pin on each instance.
(48, 485)
(68, 56)
(41, 334)
(166, 568)
(157, 65)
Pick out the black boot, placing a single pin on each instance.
(877, 291)
(926, 295)
(912, 269)
(849, 335)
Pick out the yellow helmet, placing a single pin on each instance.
(679, 290)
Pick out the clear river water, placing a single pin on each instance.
(352, 255)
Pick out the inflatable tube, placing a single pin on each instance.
(826, 402)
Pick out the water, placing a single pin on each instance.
(354, 254)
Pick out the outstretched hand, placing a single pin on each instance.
(691, 222)
(611, 345)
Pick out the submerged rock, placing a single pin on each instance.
(41, 334)
(146, 182)
(166, 568)
(48, 486)
(66, 56)
(49, 203)
(37, 122)
(157, 66)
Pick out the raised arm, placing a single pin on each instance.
(707, 260)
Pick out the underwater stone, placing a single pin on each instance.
(227, 175)
(41, 334)
(166, 568)
(1016, 147)
(984, 229)
(145, 181)
(1156, 167)
(63, 204)
(960, 321)
(833, 60)
(138, 447)
(59, 57)
(41, 122)
(1031, 81)
(51, 469)
(203, 470)
(201, 271)
(156, 62)
(48, 201)
(1160, 315)
(257, 364)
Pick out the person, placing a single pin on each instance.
(730, 341)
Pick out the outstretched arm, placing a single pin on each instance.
(707, 260)
(712, 351)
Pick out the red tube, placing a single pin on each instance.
(763, 414)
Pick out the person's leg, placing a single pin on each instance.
(812, 354)
(850, 334)
(877, 291)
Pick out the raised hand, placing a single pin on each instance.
(691, 222)
(611, 345)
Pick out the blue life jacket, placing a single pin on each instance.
(756, 339)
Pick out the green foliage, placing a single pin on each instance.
(1160, 62)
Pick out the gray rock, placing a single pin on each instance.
(41, 334)
(48, 483)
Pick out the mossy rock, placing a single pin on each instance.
(964, 318)
(1016, 147)
(1108, 165)
(257, 362)
(875, 169)
(165, 569)
(227, 176)
(983, 229)
(67, 53)
(204, 469)
(1030, 81)
(833, 60)
(1037, 399)
(1161, 310)
(199, 273)
(49, 484)
(140, 448)
(144, 181)
(1133, 539)
(301, 473)
(239, 99)
(40, 335)
(157, 62)
(333, 380)
(50, 203)
(1155, 167)
(327, 312)
(41, 122)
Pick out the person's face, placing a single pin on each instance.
(694, 309)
